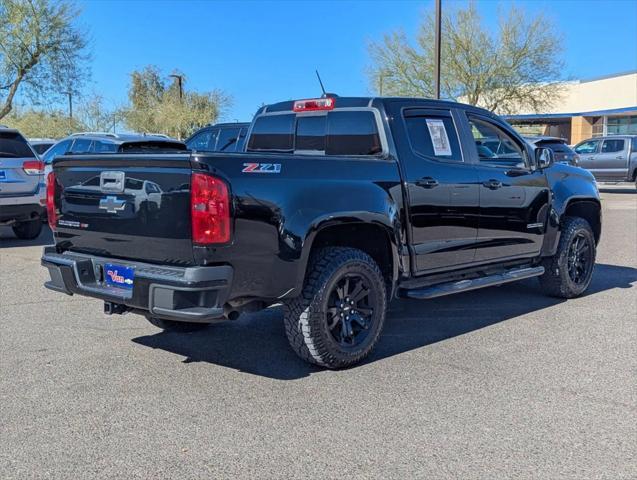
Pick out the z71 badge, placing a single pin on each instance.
(261, 168)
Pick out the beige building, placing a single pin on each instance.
(599, 106)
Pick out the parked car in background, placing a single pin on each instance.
(22, 190)
(221, 137)
(41, 145)
(561, 151)
(611, 159)
(102, 142)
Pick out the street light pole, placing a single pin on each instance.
(437, 49)
(180, 79)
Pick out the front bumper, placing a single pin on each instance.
(187, 294)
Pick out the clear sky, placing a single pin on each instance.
(262, 51)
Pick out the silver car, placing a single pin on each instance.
(610, 159)
(22, 189)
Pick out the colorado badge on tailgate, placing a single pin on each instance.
(119, 276)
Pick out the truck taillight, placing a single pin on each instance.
(314, 104)
(33, 167)
(210, 209)
(51, 212)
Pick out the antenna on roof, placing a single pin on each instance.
(321, 83)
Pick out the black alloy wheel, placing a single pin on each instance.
(579, 259)
(350, 310)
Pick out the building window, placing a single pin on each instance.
(598, 126)
(622, 125)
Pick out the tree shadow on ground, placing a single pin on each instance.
(256, 343)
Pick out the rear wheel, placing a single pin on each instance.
(568, 273)
(338, 318)
(173, 326)
(28, 230)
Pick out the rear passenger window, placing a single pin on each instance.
(81, 145)
(274, 133)
(434, 137)
(227, 141)
(352, 133)
(103, 147)
(200, 142)
(612, 146)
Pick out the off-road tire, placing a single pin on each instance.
(305, 317)
(173, 326)
(556, 280)
(27, 230)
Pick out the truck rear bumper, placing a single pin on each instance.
(13, 213)
(187, 294)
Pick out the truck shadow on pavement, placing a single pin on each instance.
(256, 343)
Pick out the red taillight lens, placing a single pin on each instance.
(33, 167)
(51, 212)
(210, 209)
(314, 104)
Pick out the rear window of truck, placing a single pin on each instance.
(558, 147)
(331, 133)
(13, 145)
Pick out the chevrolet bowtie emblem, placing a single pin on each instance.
(112, 204)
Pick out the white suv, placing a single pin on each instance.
(22, 189)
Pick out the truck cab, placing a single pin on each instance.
(611, 159)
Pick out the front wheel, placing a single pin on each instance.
(27, 230)
(338, 318)
(568, 273)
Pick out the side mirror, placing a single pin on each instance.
(544, 157)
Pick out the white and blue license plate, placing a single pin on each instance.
(119, 276)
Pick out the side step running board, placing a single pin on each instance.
(466, 285)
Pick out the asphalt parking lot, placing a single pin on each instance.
(498, 383)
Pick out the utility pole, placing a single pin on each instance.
(180, 83)
(437, 49)
(70, 94)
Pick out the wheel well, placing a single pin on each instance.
(589, 210)
(371, 239)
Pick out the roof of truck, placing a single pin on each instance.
(119, 138)
(362, 102)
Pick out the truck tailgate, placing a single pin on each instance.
(125, 206)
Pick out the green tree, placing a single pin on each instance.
(41, 124)
(518, 66)
(156, 106)
(42, 51)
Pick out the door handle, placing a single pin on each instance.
(427, 182)
(492, 184)
(619, 157)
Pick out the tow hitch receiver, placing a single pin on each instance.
(111, 308)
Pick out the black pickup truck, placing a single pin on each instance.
(335, 206)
